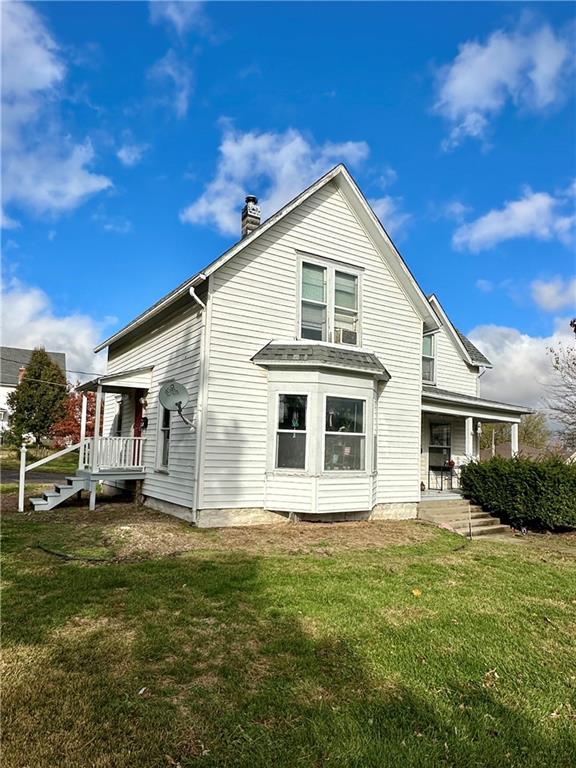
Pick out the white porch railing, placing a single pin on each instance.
(113, 453)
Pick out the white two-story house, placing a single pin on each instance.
(322, 381)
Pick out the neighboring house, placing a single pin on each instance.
(13, 362)
(323, 383)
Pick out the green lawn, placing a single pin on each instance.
(382, 644)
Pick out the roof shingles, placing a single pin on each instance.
(323, 356)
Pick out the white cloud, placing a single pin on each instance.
(174, 70)
(555, 294)
(388, 209)
(131, 154)
(116, 224)
(484, 285)
(522, 370)
(526, 67)
(456, 210)
(276, 166)
(29, 320)
(43, 171)
(182, 16)
(387, 177)
(536, 214)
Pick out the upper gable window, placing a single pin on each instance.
(428, 361)
(329, 304)
(314, 306)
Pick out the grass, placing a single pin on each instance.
(31, 488)
(294, 646)
(10, 458)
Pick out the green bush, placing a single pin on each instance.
(535, 494)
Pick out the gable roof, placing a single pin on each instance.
(341, 177)
(14, 358)
(469, 352)
(475, 355)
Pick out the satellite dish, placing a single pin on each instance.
(173, 396)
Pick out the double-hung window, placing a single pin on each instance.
(314, 305)
(164, 437)
(329, 304)
(345, 308)
(345, 436)
(428, 372)
(291, 432)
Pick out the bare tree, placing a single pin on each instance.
(562, 399)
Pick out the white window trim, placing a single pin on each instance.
(430, 357)
(331, 268)
(291, 470)
(323, 433)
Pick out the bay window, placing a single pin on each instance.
(428, 372)
(291, 432)
(329, 308)
(344, 436)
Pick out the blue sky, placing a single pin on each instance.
(133, 130)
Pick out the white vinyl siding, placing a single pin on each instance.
(255, 299)
(452, 371)
(173, 348)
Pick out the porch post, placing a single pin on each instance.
(96, 428)
(469, 437)
(92, 504)
(82, 431)
(514, 439)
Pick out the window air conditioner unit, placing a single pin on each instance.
(344, 336)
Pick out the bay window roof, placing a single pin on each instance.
(290, 354)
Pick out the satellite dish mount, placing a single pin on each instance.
(174, 397)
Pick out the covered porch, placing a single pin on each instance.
(451, 427)
(114, 457)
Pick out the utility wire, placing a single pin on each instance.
(68, 370)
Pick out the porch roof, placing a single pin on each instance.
(320, 355)
(136, 378)
(433, 397)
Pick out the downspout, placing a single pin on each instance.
(202, 394)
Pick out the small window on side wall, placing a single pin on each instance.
(164, 437)
(314, 305)
(291, 432)
(428, 372)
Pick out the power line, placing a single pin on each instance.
(67, 370)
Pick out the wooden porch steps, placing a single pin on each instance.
(461, 517)
(51, 499)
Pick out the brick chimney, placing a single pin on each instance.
(21, 372)
(250, 215)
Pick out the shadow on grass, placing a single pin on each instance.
(193, 662)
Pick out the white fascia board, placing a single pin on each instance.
(472, 410)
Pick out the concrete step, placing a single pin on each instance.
(448, 503)
(486, 530)
(475, 522)
(445, 516)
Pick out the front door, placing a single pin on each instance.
(439, 456)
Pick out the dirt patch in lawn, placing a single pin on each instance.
(166, 536)
(133, 531)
